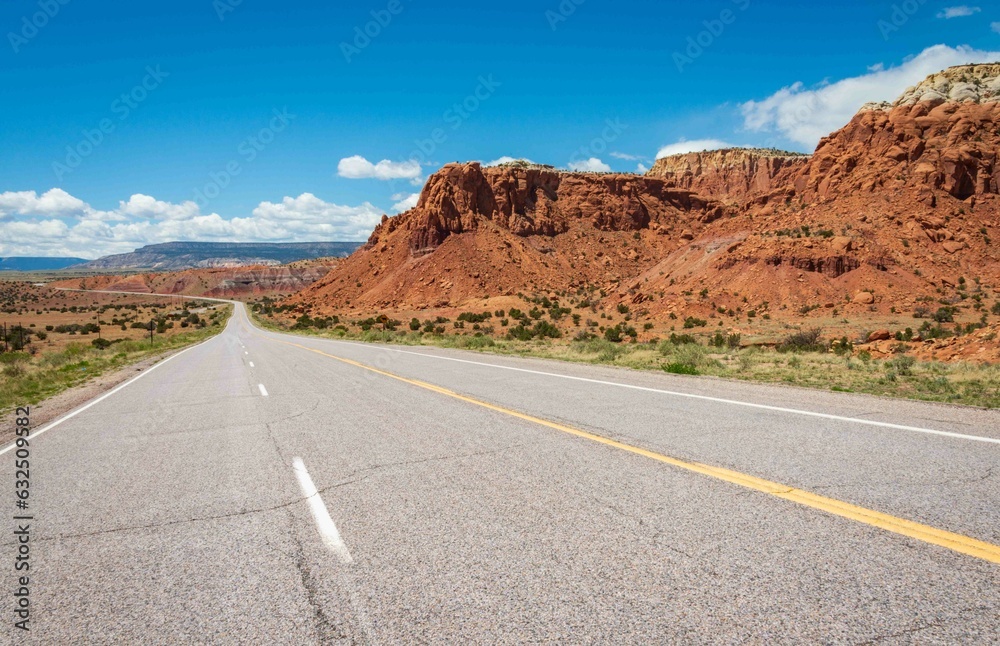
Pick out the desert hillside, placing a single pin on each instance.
(232, 282)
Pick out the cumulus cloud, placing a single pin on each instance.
(642, 169)
(693, 146)
(805, 115)
(58, 224)
(592, 165)
(406, 202)
(144, 206)
(55, 202)
(357, 167)
(958, 12)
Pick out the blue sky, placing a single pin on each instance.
(125, 123)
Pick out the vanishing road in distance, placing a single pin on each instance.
(269, 488)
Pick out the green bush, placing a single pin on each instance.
(680, 369)
(902, 365)
(692, 322)
(945, 315)
(804, 341)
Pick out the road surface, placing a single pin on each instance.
(267, 488)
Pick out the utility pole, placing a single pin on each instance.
(151, 332)
(5, 337)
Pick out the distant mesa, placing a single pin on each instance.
(178, 256)
(35, 263)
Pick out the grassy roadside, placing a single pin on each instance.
(27, 380)
(900, 377)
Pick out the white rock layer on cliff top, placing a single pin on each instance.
(962, 84)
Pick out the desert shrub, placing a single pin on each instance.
(520, 333)
(469, 317)
(842, 347)
(945, 315)
(803, 341)
(544, 329)
(928, 331)
(731, 341)
(680, 369)
(415, 324)
(692, 322)
(902, 365)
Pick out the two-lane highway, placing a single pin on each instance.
(269, 488)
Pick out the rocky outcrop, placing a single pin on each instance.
(538, 201)
(733, 174)
(887, 209)
(941, 135)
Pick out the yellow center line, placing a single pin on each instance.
(925, 533)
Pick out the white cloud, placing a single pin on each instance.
(958, 12)
(506, 160)
(357, 167)
(55, 202)
(144, 206)
(592, 165)
(693, 146)
(806, 115)
(405, 203)
(642, 169)
(58, 224)
(627, 157)
(996, 27)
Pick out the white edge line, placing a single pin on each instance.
(111, 392)
(263, 391)
(731, 402)
(327, 528)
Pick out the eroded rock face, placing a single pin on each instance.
(734, 174)
(941, 135)
(900, 200)
(538, 201)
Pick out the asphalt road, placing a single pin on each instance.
(266, 488)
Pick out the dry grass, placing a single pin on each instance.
(901, 377)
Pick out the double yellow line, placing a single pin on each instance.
(917, 531)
